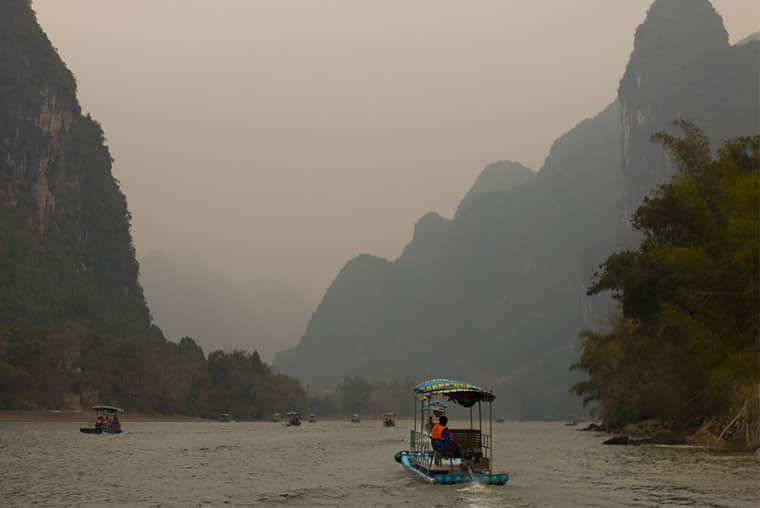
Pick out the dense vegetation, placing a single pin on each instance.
(684, 348)
(42, 368)
(46, 368)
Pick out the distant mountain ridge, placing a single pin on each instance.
(681, 55)
(498, 176)
(469, 306)
(498, 293)
(752, 37)
(187, 297)
(75, 329)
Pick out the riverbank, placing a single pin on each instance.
(79, 415)
(736, 436)
(76, 415)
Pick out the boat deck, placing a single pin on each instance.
(458, 472)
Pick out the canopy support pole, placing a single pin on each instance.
(490, 432)
(470, 417)
(422, 415)
(414, 427)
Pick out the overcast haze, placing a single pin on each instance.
(280, 139)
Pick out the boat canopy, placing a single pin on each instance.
(463, 393)
(434, 405)
(389, 414)
(108, 409)
(293, 413)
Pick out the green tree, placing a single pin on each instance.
(686, 340)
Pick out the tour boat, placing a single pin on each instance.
(389, 419)
(475, 462)
(107, 421)
(293, 419)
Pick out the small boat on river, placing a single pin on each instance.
(225, 418)
(107, 421)
(312, 418)
(293, 419)
(467, 456)
(389, 419)
(355, 418)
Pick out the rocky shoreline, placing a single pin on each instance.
(711, 435)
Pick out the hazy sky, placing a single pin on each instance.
(281, 138)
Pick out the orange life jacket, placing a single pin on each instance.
(437, 432)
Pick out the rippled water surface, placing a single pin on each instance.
(334, 463)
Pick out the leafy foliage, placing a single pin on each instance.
(241, 384)
(42, 368)
(687, 337)
(37, 367)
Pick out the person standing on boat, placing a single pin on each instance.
(442, 441)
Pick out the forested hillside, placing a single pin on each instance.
(74, 325)
(65, 246)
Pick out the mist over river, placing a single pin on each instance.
(336, 463)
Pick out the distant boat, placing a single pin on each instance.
(355, 418)
(276, 417)
(293, 419)
(107, 421)
(225, 418)
(312, 418)
(389, 419)
(500, 419)
(571, 422)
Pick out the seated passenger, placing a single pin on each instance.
(115, 425)
(442, 442)
(99, 422)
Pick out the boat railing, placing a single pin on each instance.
(486, 445)
(467, 438)
(475, 447)
(419, 442)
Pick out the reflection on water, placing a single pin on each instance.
(333, 463)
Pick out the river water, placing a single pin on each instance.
(336, 463)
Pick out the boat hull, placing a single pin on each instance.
(451, 477)
(94, 430)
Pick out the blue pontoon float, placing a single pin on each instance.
(476, 461)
